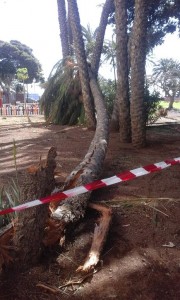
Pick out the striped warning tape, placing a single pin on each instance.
(128, 175)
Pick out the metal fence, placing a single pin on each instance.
(19, 110)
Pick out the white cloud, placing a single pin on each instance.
(169, 49)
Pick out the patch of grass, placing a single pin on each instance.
(165, 104)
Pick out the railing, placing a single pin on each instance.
(19, 110)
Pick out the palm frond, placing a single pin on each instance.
(62, 93)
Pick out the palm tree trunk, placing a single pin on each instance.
(70, 36)
(90, 167)
(63, 28)
(171, 102)
(95, 60)
(82, 63)
(114, 125)
(138, 58)
(122, 95)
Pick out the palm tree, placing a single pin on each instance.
(166, 76)
(138, 58)
(109, 51)
(62, 98)
(89, 37)
(82, 63)
(122, 94)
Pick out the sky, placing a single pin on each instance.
(35, 23)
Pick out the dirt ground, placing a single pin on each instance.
(141, 258)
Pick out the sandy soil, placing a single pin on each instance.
(138, 261)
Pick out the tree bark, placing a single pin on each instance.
(63, 28)
(70, 37)
(138, 59)
(95, 60)
(82, 64)
(114, 124)
(91, 166)
(37, 182)
(122, 94)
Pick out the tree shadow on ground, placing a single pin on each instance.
(146, 212)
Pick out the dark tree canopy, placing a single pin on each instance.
(163, 18)
(16, 55)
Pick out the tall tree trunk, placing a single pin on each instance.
(114, 125)
(171, 102)
(70, 36)
(138, 58)
(95, 60)
(82, 63)
(122, 95)
(63, 28)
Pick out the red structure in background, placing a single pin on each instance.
(18, 110)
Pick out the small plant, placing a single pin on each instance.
(152, 106)
(109, 92)
(10, 195)
(4, 219)
(13, 190)
(16, 185)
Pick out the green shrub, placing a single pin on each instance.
(152, 106)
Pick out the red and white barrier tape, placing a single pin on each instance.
(128, 175)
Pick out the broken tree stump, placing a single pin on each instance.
(38, 181)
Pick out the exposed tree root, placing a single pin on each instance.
(48, 288)
(77, 280)
(100, 233)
